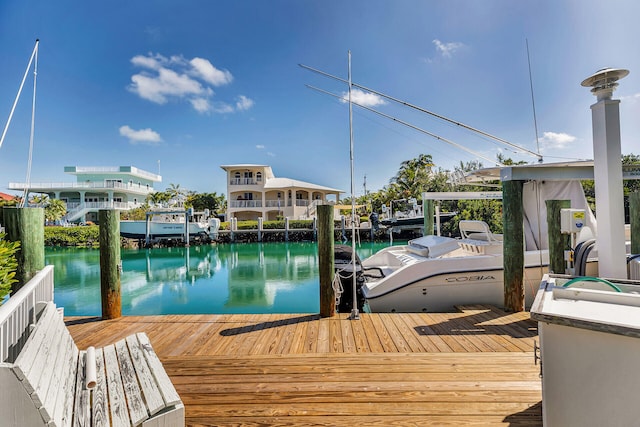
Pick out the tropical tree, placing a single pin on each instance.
(54, 210)
(201, 201)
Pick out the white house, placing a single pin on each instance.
(111, 187)
(253, 191)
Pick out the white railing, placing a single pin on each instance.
(142, 188)
(19, 312)
(274, 203)
(245, 203)
(243, 181)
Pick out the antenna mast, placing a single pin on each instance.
(533, 102)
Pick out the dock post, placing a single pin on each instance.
(147, 231)
(286, 229)
(558, 242)
(428, 212)
(260, 222)
(25, 225)
(315, 229)
(513, 247)
(634, 221)
(325, 261)
(110, 263)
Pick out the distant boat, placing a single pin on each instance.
(410, 218)
(170, 225)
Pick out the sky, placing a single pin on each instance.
(180, 88)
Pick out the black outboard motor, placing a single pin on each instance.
(342, 255)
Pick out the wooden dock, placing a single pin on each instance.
(473, 367)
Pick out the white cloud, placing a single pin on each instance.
(632, 99)
(209, 73)
(244, 103)
(144, 136)
(260, 147)
(166, 79)
(366, 99)
(556, 141)
(447, 49)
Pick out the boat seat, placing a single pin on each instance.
(478, 230)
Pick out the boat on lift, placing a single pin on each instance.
(170, 224)
(436, 273)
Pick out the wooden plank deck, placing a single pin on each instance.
(473, 367)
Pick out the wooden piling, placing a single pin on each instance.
(428, 210)
(110, 263)
(558, 242)
(25, 225)
(634, 221)
(513, 247)
(326, 261)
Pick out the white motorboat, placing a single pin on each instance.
(169, 225)
(436, 273)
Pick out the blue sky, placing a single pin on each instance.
(193, 85)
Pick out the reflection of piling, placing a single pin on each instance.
(558, 242)
(110, 263)
(325, 260)
(26, 225)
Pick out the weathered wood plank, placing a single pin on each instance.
(100, 401)
(32, 348)
(82, 407)
(133, 395)
(149, 387)
(164, 383)
(117, 402)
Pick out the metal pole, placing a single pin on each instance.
(354, 311)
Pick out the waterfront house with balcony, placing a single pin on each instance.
(111, 187)
(253, 191)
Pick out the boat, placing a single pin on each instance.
(435, 273)
(162, 225)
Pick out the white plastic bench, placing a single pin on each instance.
(47, 382)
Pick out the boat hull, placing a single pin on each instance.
(441, 284)
(160, 230)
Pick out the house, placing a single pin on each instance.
(253, 191)
(116, 187)
(7, 197)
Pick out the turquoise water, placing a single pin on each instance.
(231, 278)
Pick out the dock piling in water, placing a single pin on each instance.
(110, 263)
(325, 260)
(26, 225)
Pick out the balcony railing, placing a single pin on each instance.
(80, 185)
(245, 203)
(243, 181)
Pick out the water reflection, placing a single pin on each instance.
(235, 278)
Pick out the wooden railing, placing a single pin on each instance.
(19, 312)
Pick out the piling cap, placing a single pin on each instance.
(603, 82)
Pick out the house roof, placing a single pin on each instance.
(274, 183)
(5, 196)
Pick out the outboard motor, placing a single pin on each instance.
(342, 255)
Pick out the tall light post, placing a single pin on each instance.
(607, 154)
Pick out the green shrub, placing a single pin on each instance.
(8, 265)
(72, 236)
